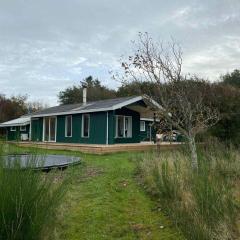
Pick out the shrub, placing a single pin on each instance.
(202, 204)
(28, 201)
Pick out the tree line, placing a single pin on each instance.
(16, 106)
(224, 94)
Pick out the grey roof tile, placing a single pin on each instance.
(102, 104)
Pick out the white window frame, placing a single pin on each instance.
(124, 127)
(13, 129)
(43, 133)
(83, 126)
(142, 127)
(66, 127)
(23, 128)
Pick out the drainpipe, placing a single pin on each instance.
(150, 133)
(6, 133)
(107, 130)
(30, 130)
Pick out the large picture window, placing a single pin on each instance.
(123, 126)
(68, 126)
(85, 125)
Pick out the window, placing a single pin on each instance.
(120, 126)
(85, 125)
(68, 126)
(142, 126)
(13, 129)
(123, 126)
(128, 127)
(22, 128)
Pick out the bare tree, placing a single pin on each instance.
(184, 100)
(35, 106)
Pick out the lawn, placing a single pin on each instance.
(105, 201)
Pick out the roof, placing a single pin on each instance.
(97, 106)
(22, 121)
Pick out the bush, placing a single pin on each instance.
(202, 204)
(28, 201)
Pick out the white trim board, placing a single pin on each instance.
(14, 125)
(149, 119)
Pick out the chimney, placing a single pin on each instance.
(84, 95)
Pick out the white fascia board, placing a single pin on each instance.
(128, 102)
(14, 124)
(158, 106)
(147, 119)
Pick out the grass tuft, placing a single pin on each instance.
(203, 204)
(28, 200)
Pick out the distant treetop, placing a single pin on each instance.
(95, 91)
(232, 78)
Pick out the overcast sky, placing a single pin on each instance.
(47, 45)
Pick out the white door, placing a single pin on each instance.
(49, 129)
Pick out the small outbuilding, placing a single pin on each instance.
(17, 129)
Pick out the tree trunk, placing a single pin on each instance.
(193, 149)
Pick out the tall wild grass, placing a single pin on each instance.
(204, 204)
(28, 201)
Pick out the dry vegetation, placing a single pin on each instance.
(203, 204)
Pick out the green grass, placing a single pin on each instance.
(28, 200)
(104, 201)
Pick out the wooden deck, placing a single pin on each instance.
(100, 149)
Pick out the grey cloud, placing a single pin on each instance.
(46, 46)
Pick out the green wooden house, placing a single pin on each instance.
(17, 129)
(102, 122)
(109, 121)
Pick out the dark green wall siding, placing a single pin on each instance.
(15, 135)
(98, 122)
(145, 135)
(37, 128)
(76, 129)
(111, 127)
(98, 131)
